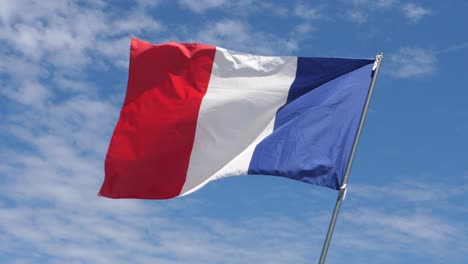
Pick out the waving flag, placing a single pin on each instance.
(194, 113)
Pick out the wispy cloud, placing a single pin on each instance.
(240, 8)
(239, 35)
(357, 16)
(404, 231)
(307, 12)
(59, 125)
(410, 62)
(57, 129)
(57, 215)
(60, 31)
(385, 3)
(412, 191)
(359, 11)
(372, 4)
(411, 220)
(55, 41)
(454, 48)
(304, 28)
(415, 12)
(200, 6)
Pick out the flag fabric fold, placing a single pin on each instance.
(194, 113)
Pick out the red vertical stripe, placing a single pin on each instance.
(150, 149)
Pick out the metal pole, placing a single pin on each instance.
(342, 193)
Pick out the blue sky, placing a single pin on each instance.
(63, 73)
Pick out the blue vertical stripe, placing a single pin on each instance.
(314, 131)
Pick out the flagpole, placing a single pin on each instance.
(342, 193)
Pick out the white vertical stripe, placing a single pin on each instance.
(237, 112)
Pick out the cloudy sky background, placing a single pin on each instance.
(63, 73)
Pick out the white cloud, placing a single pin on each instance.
(359, 11)
(58, 130)
(455, 48)
(417, 218)
(143, 4)
(200, 6)
(357, 16)
(412, 62)
(415, 12)
(240, 8)
(403, 232)
(55, 41)
(304, 28)
(273, 8)
(307, 12)
(411, 191)
(58, 31)
(28, 93)
(238, 35)
(385, 3)
(70, 223)
(372, 4)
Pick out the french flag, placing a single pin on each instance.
(194, 113)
